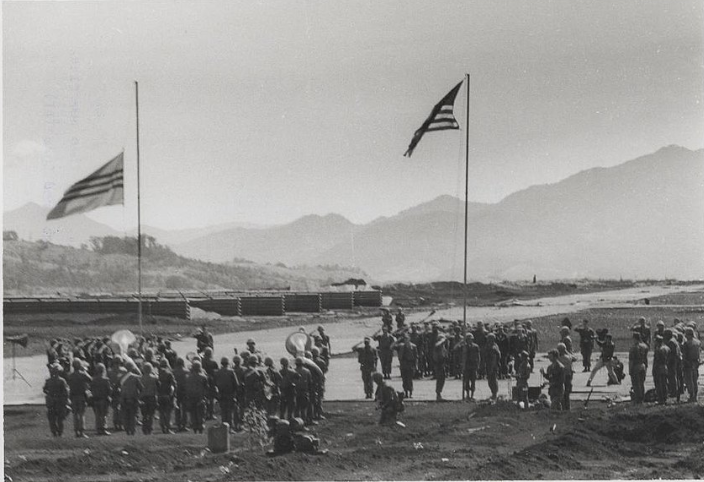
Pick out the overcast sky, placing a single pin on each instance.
(266, 111)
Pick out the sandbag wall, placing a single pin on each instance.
(303, 302)
(337, 300)
(367, 298)
(264, 305)
(150, 306)
(241, 304)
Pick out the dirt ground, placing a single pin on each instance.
(447, 441)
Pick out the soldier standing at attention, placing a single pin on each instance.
(566, 360)
(440, 353)
(367, 358)
(253, 385)
(555, 375)
(691, 354)
(660, 356)
(471, 357)
(504, 343)
(319, 384)
(226, 384)
(101, 390)
(78, 385)
(273, 380)
(532, 342)
(56, 391)
(493, 358)
(180, 375)
(586, 345)
(210, 366)
(196, 390)
(148, 398)
(522, 376)
(304, 382)
(637, 365)
(408, 359)
(130, 392)
(386, 354)
(674, 365)
(400, 319)
(166, 390)
(480, 336)
(116, 372)
(288, 390)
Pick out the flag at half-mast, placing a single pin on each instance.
(441, 118)
(104, 187)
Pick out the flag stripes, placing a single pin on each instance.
(102, 188)
(441, 118)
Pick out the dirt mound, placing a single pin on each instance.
(456, 441)
(668, 425)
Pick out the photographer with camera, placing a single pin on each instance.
(604, 340)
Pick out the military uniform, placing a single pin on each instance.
(101, 390)
(226, 384)
(196, 391)
(660, 356)
(637, 365)
(493, 358)
(472, 359)
(408, 360)
(386, 353)
(304, 382)
(79, 385)
(166, 390)
(130, 393)
(556, 379)
(586, 346)
(57, 398)
(691, 354)
(367, 358)
(148, 398)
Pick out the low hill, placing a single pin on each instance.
(40, 268)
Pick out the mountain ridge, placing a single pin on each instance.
(599, 222)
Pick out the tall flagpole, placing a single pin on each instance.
(466, 204)
(139, 222)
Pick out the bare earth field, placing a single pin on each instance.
(452, 440)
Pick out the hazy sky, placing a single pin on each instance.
(265, 111)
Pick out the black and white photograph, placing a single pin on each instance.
(352, 240)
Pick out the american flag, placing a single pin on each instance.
(441, 118)
(102, 188)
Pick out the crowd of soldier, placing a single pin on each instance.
(500, 352)
(152, 378)
(436, 351)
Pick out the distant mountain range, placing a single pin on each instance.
(640, 219)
